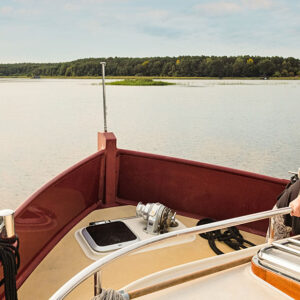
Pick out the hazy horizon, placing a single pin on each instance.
(60, 31)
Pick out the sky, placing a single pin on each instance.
(65, 30)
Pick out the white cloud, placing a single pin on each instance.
(84, 3)
(219, 8)
(72, 7)
(233, 7)
(155, 15)
(6, 10)
(20, 12)
(27, 12)
(258, 4)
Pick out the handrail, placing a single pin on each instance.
(94, 267)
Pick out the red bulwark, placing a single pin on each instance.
(196, 189)
(53, 210)
(108, 141)
(115, 177)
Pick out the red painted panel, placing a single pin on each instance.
(108, 141)
(192, 188)
(195, 188)
(53, 210)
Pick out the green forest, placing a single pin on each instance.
(182, 66)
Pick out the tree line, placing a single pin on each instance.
(182, 66)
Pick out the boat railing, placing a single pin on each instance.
(95, 268)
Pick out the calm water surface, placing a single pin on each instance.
(48, 125)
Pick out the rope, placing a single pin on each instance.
(109, 295)
(231, 237)
(10, 259)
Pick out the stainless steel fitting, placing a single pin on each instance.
(159, 217)
(7, 224)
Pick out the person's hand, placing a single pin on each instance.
(295, 205)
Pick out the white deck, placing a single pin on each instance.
(67, 259)
(235, 283)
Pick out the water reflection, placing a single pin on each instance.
(48, 125)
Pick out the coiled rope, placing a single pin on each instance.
(10, 260)
(231, 237)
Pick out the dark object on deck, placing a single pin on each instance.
(10, 260)
(231, 237)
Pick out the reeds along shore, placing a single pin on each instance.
(140, 82)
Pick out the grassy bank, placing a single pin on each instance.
(139, 82)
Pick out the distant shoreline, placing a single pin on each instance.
(155, 77)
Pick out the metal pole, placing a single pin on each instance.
(97, 283)
(271, 231)
(7, 224)
(104, 96)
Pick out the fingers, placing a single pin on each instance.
(295, 205)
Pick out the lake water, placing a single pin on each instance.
(47, 125)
